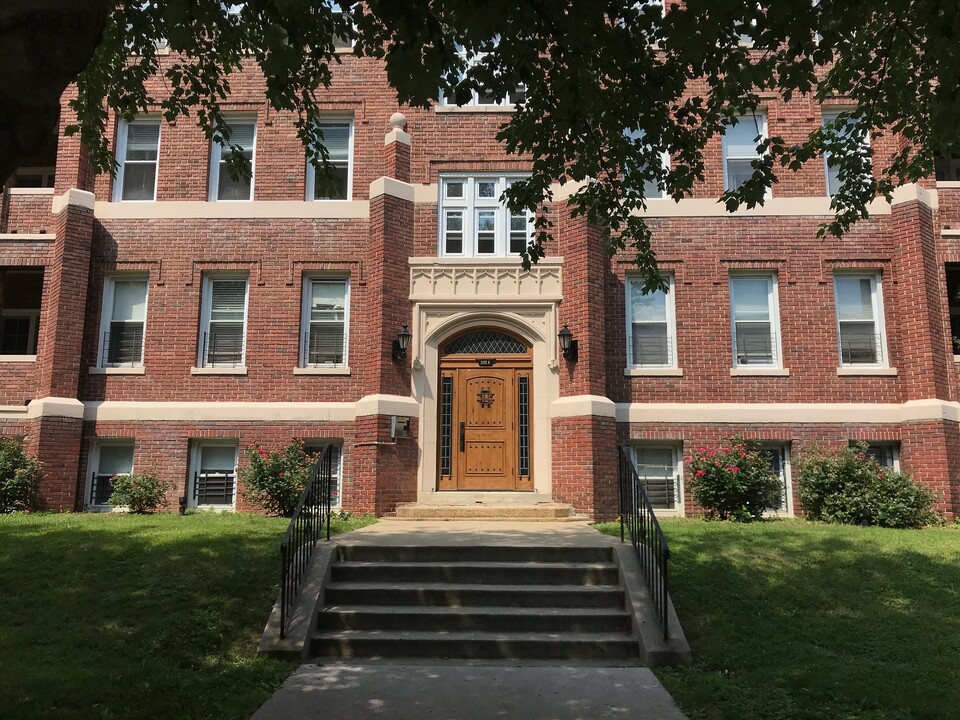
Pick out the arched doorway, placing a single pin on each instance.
(484, 412)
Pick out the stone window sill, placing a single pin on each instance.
(18, 358)
(653, 372)
(321, 371)
(866, 371)
(218, 371)
(759, 372)
(118, 370)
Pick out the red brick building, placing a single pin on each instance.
(173, 316)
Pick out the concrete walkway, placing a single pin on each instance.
(458, 692)
(471, 690)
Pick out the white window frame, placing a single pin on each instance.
(46, 174)
(205, 310)
(470, 206)
(196, 449)
(216, 155)
(311, 179)
(308, 280)
(751, 119)
(93, 466)
(121, 154)
(106, 315)
(474, 101)
(879, 323)
(318, 445)
(786, 508)
(677, 450)
(773, 308)
(671, 320)
(829, 114)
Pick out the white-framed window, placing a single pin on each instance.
(138, 152)
(740, 142)
(223, 321)
(213, 476)
(660, 469)
(652, 190)
(108, 458)
(21, 293)
(779, 458)
(952, 272)
(336, 465)
(123, 320)
(860, 328)
(243, 133)
(480, 98)
(475, 223)
(829, 116)
(651, 325)
(755, 322)
(947, 169)
(325, 322)
(34, 177)
(338, 139)
(886, 453)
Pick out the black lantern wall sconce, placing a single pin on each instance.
(568, 345)
(401, 344)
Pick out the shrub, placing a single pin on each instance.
(734, 482)
(274, 479)
(846, 485)
(141, 493)
(20, 476)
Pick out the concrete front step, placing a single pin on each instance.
(475, 645)
(473, 619)
(529, 555)
(474, 595)
(544, 512)
(494, 573)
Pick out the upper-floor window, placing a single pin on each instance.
(21, 292)
(831, 116)
(138, 150)
(223, 325)
(651, 325)
(474, 222)
(860, 332)
(652, 188)
(338, 139)
(740, 141)
(755, 321)
(123, 320)
(324, 322)
(243, 133)
(480, 98)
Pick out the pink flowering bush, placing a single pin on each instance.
(274, 479)
(733, 482)
(846, 485)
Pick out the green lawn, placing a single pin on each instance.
(116, 616)
(795, 620)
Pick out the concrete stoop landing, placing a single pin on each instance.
(543, 512)
(473, 591)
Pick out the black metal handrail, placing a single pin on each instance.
(307, 523)
(638, 519)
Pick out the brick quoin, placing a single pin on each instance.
(907, 245)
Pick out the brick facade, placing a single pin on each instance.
(167, 406)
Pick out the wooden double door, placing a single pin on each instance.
(485, 424)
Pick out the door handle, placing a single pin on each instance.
(463, 433)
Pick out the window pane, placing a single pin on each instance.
(327, 300)
(486, 189)
(738, 172)
(228, 299)
(230, 189)
(218, 458)
(754, 344)
(454, 232)
(15, 336)
(124, 343)
(519, 233)
(651, 344)
(854, 298)
(454, 189)
(139, 180)
(129, 300)
(740, 140)
(243, 134)
(652, 306)
(336, 138)
(142, 141)
(859, 343)
(335, 187)
(486, 231)
(115, 459)
(326, 343)
(751, 298)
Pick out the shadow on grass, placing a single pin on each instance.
(795, 620)
(136, 617)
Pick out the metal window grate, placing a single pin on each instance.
(446, 424)
(101, 488)
(485, 342)
(214, 488)
(523, 390)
